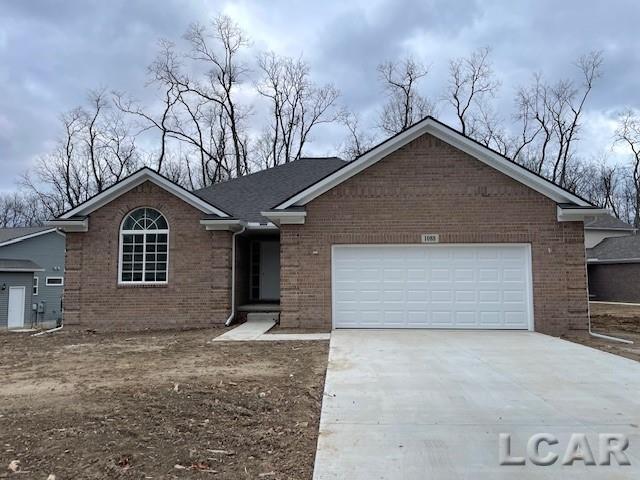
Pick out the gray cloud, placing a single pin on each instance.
(52, 52)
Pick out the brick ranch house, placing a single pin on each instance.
(429, 229)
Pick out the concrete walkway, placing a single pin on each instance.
(247, 331)
(417, 405)
(256, 330)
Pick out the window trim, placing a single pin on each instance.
(122, 233)
(35, 289)
(61, 284)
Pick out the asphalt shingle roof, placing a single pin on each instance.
(7, 234)
(606, 222)
(245, 197)
(13, 265)
(616, 248)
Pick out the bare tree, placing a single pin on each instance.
(489, 130)
(199, 111)
(471, 81)
(566, 109)
(404, 105)
(297, 107)
(628, 133)
(218, 48)
(550, 118)
(187, 118)
(536, 130)
(358, 141)
(96, 149)
(20, 210)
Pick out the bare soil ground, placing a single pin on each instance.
(622, 321)
(158, 405)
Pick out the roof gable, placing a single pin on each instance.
(143, 175)
(430, 125)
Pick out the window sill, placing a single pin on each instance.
(142, 285)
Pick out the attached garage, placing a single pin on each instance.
(431, 229)
(432, 286)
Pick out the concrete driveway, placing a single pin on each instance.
(431, 405)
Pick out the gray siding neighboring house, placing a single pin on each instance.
(15, 279)
(614, 270)
(32, 258)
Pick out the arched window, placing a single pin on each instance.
(144, 247)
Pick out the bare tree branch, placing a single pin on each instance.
(404, 105)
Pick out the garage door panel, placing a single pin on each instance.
(488, 296)
(488, 317)
(443, 286)
(512, 275)
(441, 318)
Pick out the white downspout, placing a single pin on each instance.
(233, 276)
(48, 331)
(605, 337)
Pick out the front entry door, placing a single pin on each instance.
(270, 270)
(16, 307)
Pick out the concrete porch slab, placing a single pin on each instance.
(256, 330)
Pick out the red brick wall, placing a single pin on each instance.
(430, 187)
(198, 290)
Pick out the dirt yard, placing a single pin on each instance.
(621, 321)
(158, 405)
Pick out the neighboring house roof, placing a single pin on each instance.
(12, 265)
(430, 125)
(245, 197)
(606, 222)
(143, 175)
(14, 235)
(616, 250)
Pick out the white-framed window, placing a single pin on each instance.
(35, 285)
(54, 281)
(144, 248)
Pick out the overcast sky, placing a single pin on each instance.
(52, 52)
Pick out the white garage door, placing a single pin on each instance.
(432, 286)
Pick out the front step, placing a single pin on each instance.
(263, 317)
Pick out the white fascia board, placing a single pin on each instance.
(285, 218)
(22, 270)
(223, 224)
(26, 237)
(70, 225)
(610, 229)
(449, 136)
(605, 261)
(261, 226)
(568, 214)
(133, 181)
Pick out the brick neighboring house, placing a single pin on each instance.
(429, 229)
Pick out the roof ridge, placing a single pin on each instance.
(265, 170)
